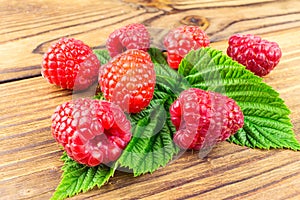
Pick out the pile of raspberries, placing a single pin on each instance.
(97, 131)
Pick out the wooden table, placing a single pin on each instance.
(30, 158)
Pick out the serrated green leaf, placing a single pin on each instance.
(99, 96)
(257, 96)
(151, 146)
(167, 79)
(267, 122)
(102, 55)
(78, 178)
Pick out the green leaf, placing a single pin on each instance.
(167, 79)
(267, 122)
(152, 145)
(102, 55)
(99, 96)
(78, 178)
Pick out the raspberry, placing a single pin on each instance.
(132, 36)
(70, 64)
(181, 40)
(259, 56)
(204, 117)
(91, 131)
(128, 80)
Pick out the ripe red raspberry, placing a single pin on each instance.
(128, 80)
(132, 36)
(70, 64)
(204, 117)
(182, 40)
(91, 131)
(259, 56)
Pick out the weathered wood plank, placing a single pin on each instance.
(30, 27)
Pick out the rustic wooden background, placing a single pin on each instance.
(29, 162)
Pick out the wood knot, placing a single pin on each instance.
(159, 4)
(195, 20)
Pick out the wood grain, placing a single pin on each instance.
(30, 165)
(40, 23)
